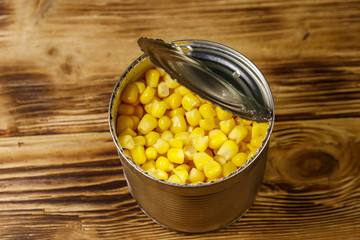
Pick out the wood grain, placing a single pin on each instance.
(60, 174)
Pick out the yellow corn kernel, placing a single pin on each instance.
(207, 111)
(227, 125)
(193, 117)
(147, 124)
(126, 109)
(164, 164)
(148, 106)
(247, 139)
(216, 138)
(184, 137)
(139, 111)
(178, 124)
(201, 143)
(123, 122)
(161, 72)
(207, 123)
(238, 133)
(239, 159)
(196, 176)
(137, 102)
(151, 138)
(183, 166)
(167, 135)
(189, 101)
(251, 154)
(228, 168)
(170, 82)
(200, 159)
(251, 148)
(127, 153)
(152, 77)
(174, 179)
(259, 129)
(176, 155)
(128, 131)
(139, 140)
(158, 109)
(158, 173)
(189, 152)
(136, 121)
(176, 111)
(246, 122)
(161, 146)
(138, 154)
(174, 100)
(147, 95)
(176, 143)
(181, 90)
(151, 153)
(256, 141)
(220, 159)
(148, 165)
(130, 93)
(182, 173)
(222, 114)
(141, 86)
(164, 123)
(243, 147)
(197, 132)
(126, 141)
(163, 90)
(228, 149)
(212, 169)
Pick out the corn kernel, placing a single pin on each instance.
(200, 159)
(178, 124)
(158, 109)
(151, 138)
(216, 138)
(139, 111)
(184, 137)
(126, 109)
(128, 131)
(183, 166)
(196, 176)
(259, 129)
(175, 112)
(212, 169)
(189, 152)
(170, 82)
(174, 100)
(167, 135)
(147, 95)
(207, 124)
(152, 77)
(201, 143)
(163, 90)
(197, 132)
(251, 154)
(176, 155)
(130, 93)
(147, 124)
(239, 159)
(164, 123)
(220, 159)
(238, 133)
(123, 122)
(161, 146)
(228, 149)
(182, 173)
(161, 72)
(228, 168)
(181, 90)
(193, 117)
(151, 153)
(148, 165)
(126, 141)
(256, 141)
(246, 122)
(174, 179)
(251, 148)
(138, 154)
(141, 86)
(189, 101)
(227, 125)
(139, 140)
(207, 111)
(127, 153)
(148, 106)
(176, 143)
(243, 147)
(158, 173)
(222, 114)
(163, 163)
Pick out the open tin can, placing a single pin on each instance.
(207, 206)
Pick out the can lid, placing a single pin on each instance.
(198, 78)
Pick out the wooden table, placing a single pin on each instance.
(60, 176)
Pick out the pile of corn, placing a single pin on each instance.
(176, 136)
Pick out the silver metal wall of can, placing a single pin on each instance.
(208, 206)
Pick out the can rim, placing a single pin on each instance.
(183, 43)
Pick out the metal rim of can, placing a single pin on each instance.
(187, 44)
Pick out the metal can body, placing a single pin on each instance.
(201, 207)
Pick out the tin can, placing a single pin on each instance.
(207, 206)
